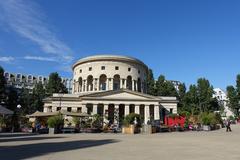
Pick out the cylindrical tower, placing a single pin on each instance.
(109, 72)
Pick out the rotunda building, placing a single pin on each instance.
(109, 72)
(112, 87)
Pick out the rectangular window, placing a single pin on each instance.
(90, 68)
(69, 109)
(79, 109)
(116, 68)
(103, 68)
(58, 108)
(171, 110)
(80, 71)
(129, 69)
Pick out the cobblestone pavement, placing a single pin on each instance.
(214, 145)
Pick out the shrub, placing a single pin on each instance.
(209, 118)
(55, 121)
(76, 120)
(129, 119)
(97, 121)
(185, 114)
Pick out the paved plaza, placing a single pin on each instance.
(214, 145)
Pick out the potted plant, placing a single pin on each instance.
(131, 124)
(205, 120)
(54, 124)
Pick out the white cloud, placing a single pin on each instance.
(6, 59)
(26, 19)
(38, 58)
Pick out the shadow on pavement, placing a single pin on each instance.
(27, 139)
(39, 149)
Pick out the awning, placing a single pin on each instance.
(49, 114)
(5, 111)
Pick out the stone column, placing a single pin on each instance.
(105, 111)
(133, 89)
(95, 106)
(156, 112)
(136, 89)
(125, 84)
(84, 86)
(107, 84)
(146, 114)
(137, 109)
(74, 88)
(121, 85)
(126, 110)
(110, 81)
(84, 108)
(96, 85)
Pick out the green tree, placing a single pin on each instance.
(232, 95)
(39, 93)
(165, 88)
(190, 101)
(12, 98)
(55, 84)
(181, 96)
(2, 84)
(150, 83)
(205, 92)
(26, 101)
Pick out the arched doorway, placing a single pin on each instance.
(129, 82)
(90, 83)
(116, 82)
(103, 82)
(139, 85)
(80, 84)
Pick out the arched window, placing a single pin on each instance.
(102, 82)
(90, 83)
(139, 85)
(129, 82)
(80, 82)
(116, 82)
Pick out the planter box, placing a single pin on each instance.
(148, 129)
(206, 128)
(128, 130)
(51, 131)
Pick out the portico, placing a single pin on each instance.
(110, 104)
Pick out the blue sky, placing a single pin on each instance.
(181, 39)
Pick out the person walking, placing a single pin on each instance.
(228, 126)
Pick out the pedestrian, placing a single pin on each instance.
(228, 126)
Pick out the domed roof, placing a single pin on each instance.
(106, 57)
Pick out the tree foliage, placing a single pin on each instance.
(150, 83)
(165, 88)
(199, 98)
(233, 99)
(55, 84)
